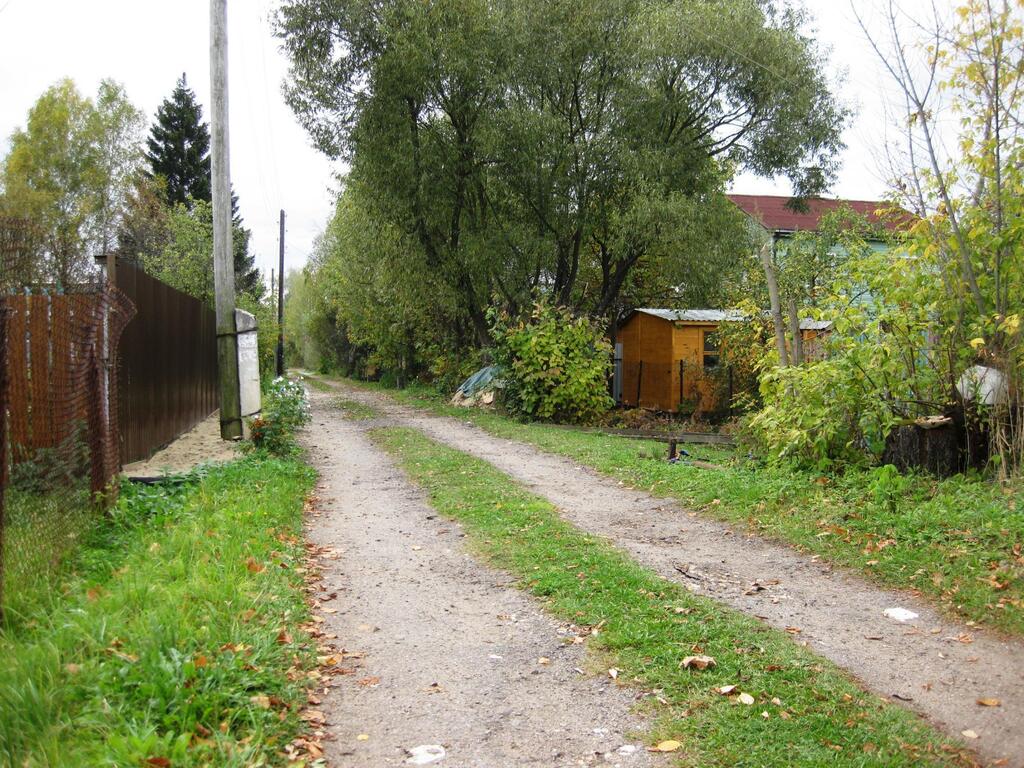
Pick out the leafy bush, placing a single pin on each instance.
(556, 366)
(285, 410)
(820, 415)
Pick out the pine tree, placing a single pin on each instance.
(179, 152)
(247, 277)
(179, 147)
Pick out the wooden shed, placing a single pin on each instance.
(668, 359)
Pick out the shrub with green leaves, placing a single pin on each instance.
(821, 414)
(556, 366)
(285, 411)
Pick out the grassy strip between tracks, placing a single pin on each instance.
(804, 711)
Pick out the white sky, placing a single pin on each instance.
(147, 45)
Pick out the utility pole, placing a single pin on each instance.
(280, 304)
(223, 263)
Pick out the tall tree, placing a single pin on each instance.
(179, 147)
(560, 146)
(144, 230)
(248, 279)
(69, 171)
(116, 130)
(179, 155)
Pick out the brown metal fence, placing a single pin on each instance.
(168, 364)
(60, 437)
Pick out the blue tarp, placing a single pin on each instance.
(479, 381)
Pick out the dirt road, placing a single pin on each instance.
(933, 665)
(446, 652)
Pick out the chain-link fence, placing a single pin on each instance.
(58, 412)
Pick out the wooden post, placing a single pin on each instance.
(639, 381)
(768, 263)
(796, 352)
(280, 304)
(223, 263)
(731, 395)
(682, 366)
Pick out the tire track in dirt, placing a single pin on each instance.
(933, 665)
(446, 651)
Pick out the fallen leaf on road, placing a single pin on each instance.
(368, 682)
(989, 703)
(969, 734)
(699, 662)
(665, 746)
(613, 673)
(363, 737)
(544, 660)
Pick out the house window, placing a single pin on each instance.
(710, 349)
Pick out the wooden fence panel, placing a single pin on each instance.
(17, 365)
(39, 371)
(167, 364)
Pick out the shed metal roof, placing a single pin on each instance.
(721, 316)
(694, 315)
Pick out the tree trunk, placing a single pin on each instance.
(797, 346)
(776, 304)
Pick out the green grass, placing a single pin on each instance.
(316, 383)
(355, 410)
(958, 542)
(815, 714)
(161, 637)
(40, 530)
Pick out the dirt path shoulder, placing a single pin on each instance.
(935, 666)
(445, 651)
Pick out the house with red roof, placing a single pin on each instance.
(781, 217)
(668, 359)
